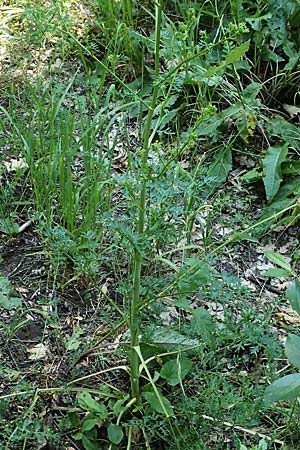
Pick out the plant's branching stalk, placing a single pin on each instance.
(138, 254)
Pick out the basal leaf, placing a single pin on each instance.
(272, 177)
(119, 406)
(169, 337)
(292, 350)
(73, 342)
(8, 226)
(88, 444)
(276, 273)
(293, 295)
(87, 403)
(115, 433)
(279, 260)
(286, 388)
(8, 300)
(174, 371)
(89, 423)
(251, 175)
(221, 166)
(208, 127)
(256, 22)
(160, 405)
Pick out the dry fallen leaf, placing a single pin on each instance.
(15, 164)
(21, 290)
(286, 317)
(291, 110)
(39, 351)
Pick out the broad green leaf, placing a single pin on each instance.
(256, 22)
(208, 127)
(87, 403)
(183, 303)
(236, 54)
(291, 166)
(77, 436)
(272, 177)
(293, 295)
(115, 433)
(279, 260)
(286, 388)
(119, 406)
(168, 337)
(89, 423)
(251, 175)
(292, 350)
(277, 273)
(174, 371)
(251, 91)
(160, 405)
(232, 57)
(262, 445)
(9, 374)
(221, 166)
(88, 444)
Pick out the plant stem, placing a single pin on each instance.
(138, 254)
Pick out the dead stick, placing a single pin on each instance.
(244, 430)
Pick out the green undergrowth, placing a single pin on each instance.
(142, 145)
(222, 379)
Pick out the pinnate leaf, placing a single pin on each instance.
(202, 325)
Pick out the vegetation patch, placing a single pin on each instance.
(149, 186)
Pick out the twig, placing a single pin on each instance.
(16, 268)
(244, 430)
(264, 285)
(25, 226)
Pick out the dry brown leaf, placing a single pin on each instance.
(21, 290)
(286, 317)
(39, 351)
(15, 164)
(292, 110)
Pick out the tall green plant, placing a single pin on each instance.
(138, 254)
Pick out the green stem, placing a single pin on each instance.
(138, 256)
